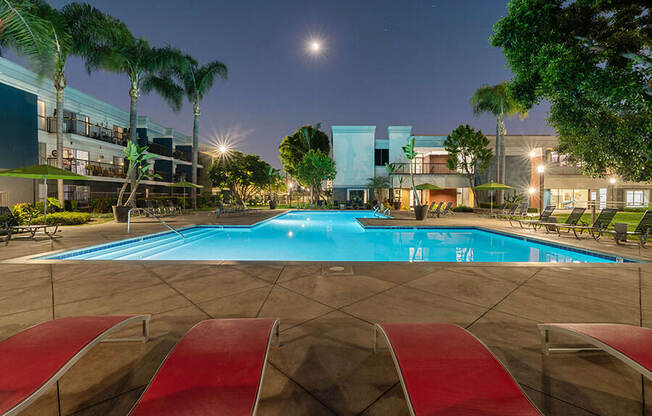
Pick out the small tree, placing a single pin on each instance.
(468, 153)
(273, 179)
(315, 168)
(410, 154)
(377, 184)
(139, 166)
(242, 174)
(294, 147)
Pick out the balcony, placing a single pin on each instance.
(158, 149)
(90, 168)
(423, 169)
(178, 154)
(87, 129)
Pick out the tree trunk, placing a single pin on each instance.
(134, 94)
(417, 200)
(503, 159)
(472, 186)
(59, 86)
(195, 150)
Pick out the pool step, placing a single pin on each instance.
(143, 253)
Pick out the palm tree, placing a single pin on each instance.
(22, 30)
(495, 100)
(120, 52)
(196, 81)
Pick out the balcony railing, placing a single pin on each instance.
(87, 129)
(178, 154)
(90, 168)
(423, 169)
(159, 149)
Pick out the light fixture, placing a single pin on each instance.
(540, 168)
(612, 180)
(532, 153)
(531, 191)
(223, 148)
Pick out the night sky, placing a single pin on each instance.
(385, 62)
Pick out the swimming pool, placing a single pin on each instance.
(332, 236)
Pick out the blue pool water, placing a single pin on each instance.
(330, 236)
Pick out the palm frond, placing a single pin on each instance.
(22, 30)
(166, 88)
(206, 74)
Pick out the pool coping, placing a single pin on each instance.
(75, 252)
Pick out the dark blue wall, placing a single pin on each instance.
(19, 131)
(184, 170)
(164, 168)
(185, 149)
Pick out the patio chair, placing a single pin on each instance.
(630, 344)
(216, 369)
(12, 225)
(347, 204)
(502, 210)
(444, 369)
(544, 217)
(573, 219)
(643, 231)
(598, 227)
(432, 213)
(447, 209)
(507, 213)
(33, 360)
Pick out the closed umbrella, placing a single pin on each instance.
(45, 172)
(492, 186)
(184, 185)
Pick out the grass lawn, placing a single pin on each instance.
(630, 218)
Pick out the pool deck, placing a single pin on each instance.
(326, 364)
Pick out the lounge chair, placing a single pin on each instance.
(432, 213)
(507, 213)
(598, 227)
(573, 219)
(33, 360)
(444, 369)
(216, 369)
(11, 223)
(447, 209)
(630, 344)
(502, 210)
(643, 230)
(543, 218)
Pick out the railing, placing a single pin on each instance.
(90, 168)
(87, 129)
(423, 168)
(178, 154)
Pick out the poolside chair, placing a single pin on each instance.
(630, 344)
(33, 360)
(12, 225)
(432, 213)
(544, 217)
(598, 227)
(347, 204)
(216, 369)
(444, 369)
(447, 209)
(511, 211)
(573, 219)
(643, 231)
(502, 210)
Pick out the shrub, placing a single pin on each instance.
(64, 218)
(101, 205)
(462, 208)
(23, 212)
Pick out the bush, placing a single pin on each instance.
(64, 218)
(23, 212)
(462, 208)
(102, 205)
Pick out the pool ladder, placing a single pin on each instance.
(151, 214)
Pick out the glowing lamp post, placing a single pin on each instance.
(541, 169)
(612, 185)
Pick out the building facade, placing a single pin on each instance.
(95, 136)
(531, 164)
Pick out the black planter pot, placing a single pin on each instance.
(120, 213)
(272, 204)
(397, 205)
(420, 212)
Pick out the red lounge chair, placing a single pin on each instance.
(630, 344)
(216, 369)
(445, 370)
(33, 360)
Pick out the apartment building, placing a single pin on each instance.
(95, 135)
(532, 163)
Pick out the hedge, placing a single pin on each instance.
(64, 218)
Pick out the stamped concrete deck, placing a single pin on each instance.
(326, 364)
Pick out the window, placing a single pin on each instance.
(42, 119)
(382, 157)
(637, 198)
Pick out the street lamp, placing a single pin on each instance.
(541, 169)
(290, 193)
(612, 185)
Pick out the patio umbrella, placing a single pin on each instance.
(428, 186)
(184, 185)
(45, 172)
(492, 186)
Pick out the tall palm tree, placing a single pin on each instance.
(196, 81)
(120, 52)
(495, 100)
(22, 30)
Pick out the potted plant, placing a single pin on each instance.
(420, 211)
(139, 165)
